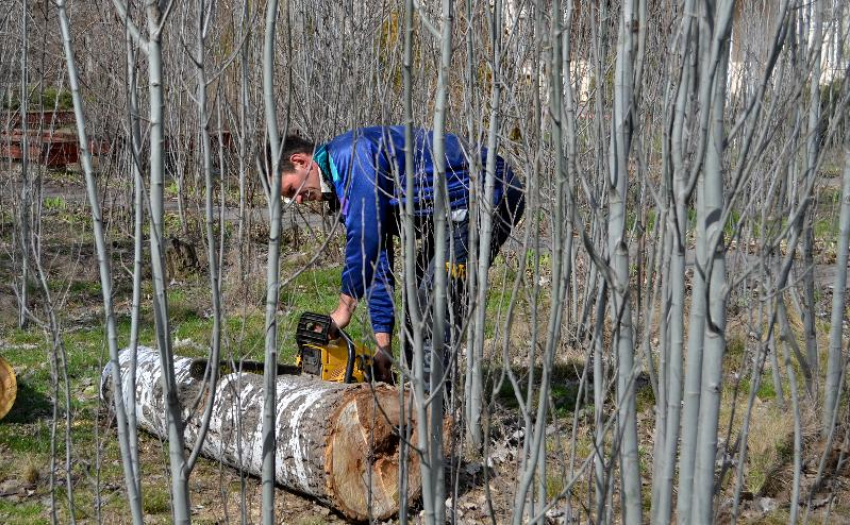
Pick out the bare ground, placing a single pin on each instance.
(486, 481)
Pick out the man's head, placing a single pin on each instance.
(300, 179)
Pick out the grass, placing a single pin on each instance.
(156, 501)
(25, 433)
(563, 391)
(770, 426)
(768, 444)
(648, 223)
(55, 204)
(22, 513)
(826, 229)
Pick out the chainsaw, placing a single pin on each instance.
(330, 357)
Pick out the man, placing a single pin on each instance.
(364, 170)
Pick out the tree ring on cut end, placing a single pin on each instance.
(363, 455)
(8, 387)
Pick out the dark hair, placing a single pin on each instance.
(294, 144)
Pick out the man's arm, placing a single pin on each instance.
(381, 310)
(365, 208)
(342, 315)
(364, 212)
(383, 355)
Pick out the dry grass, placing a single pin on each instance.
(30, 470)
(769, 444)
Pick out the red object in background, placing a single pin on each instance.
(57, 149)
(54, 150)
(56, 119)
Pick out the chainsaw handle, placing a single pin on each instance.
(334, 331)
(349, 345)
(349, 366)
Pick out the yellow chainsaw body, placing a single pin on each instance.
(328, 362)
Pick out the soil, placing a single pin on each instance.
(486, 480)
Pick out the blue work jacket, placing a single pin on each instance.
(366, 168)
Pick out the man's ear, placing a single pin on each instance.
(301, 160)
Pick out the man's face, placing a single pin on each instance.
(302, 184)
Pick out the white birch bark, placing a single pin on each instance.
(325, 430)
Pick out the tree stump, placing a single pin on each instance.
(337, 443)
(181, 258)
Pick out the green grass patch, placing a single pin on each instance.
(736, 350)
(54, 204)
(554, 485)
(732, 223)
(645, 397)
(156, 501)
(22, 513)
(826, 229)
(563, 388)
(766, 391)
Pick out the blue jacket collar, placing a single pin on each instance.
(322, 158)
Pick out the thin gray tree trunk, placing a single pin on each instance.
(835, 364)
(25, 218)
(621, 138)
(176, 455)
(472, 373)
(273, 263)
(795, 405)
(130, 475)
(678, 223)
(411, 295)
(599, 404)
(59, 364)
(244, 114)
(714, 265)
(693, 366)
(534, 465)
(435, 511)
(209, 221)
(138, 246)
(812, 152)
(485, 207)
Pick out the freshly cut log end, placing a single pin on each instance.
(364, 450)
(337, 443)
(8, 387)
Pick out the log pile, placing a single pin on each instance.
(335, 442)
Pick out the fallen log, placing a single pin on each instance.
(335, 442)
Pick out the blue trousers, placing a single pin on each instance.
(506, 216)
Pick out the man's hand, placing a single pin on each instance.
(382, 362)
